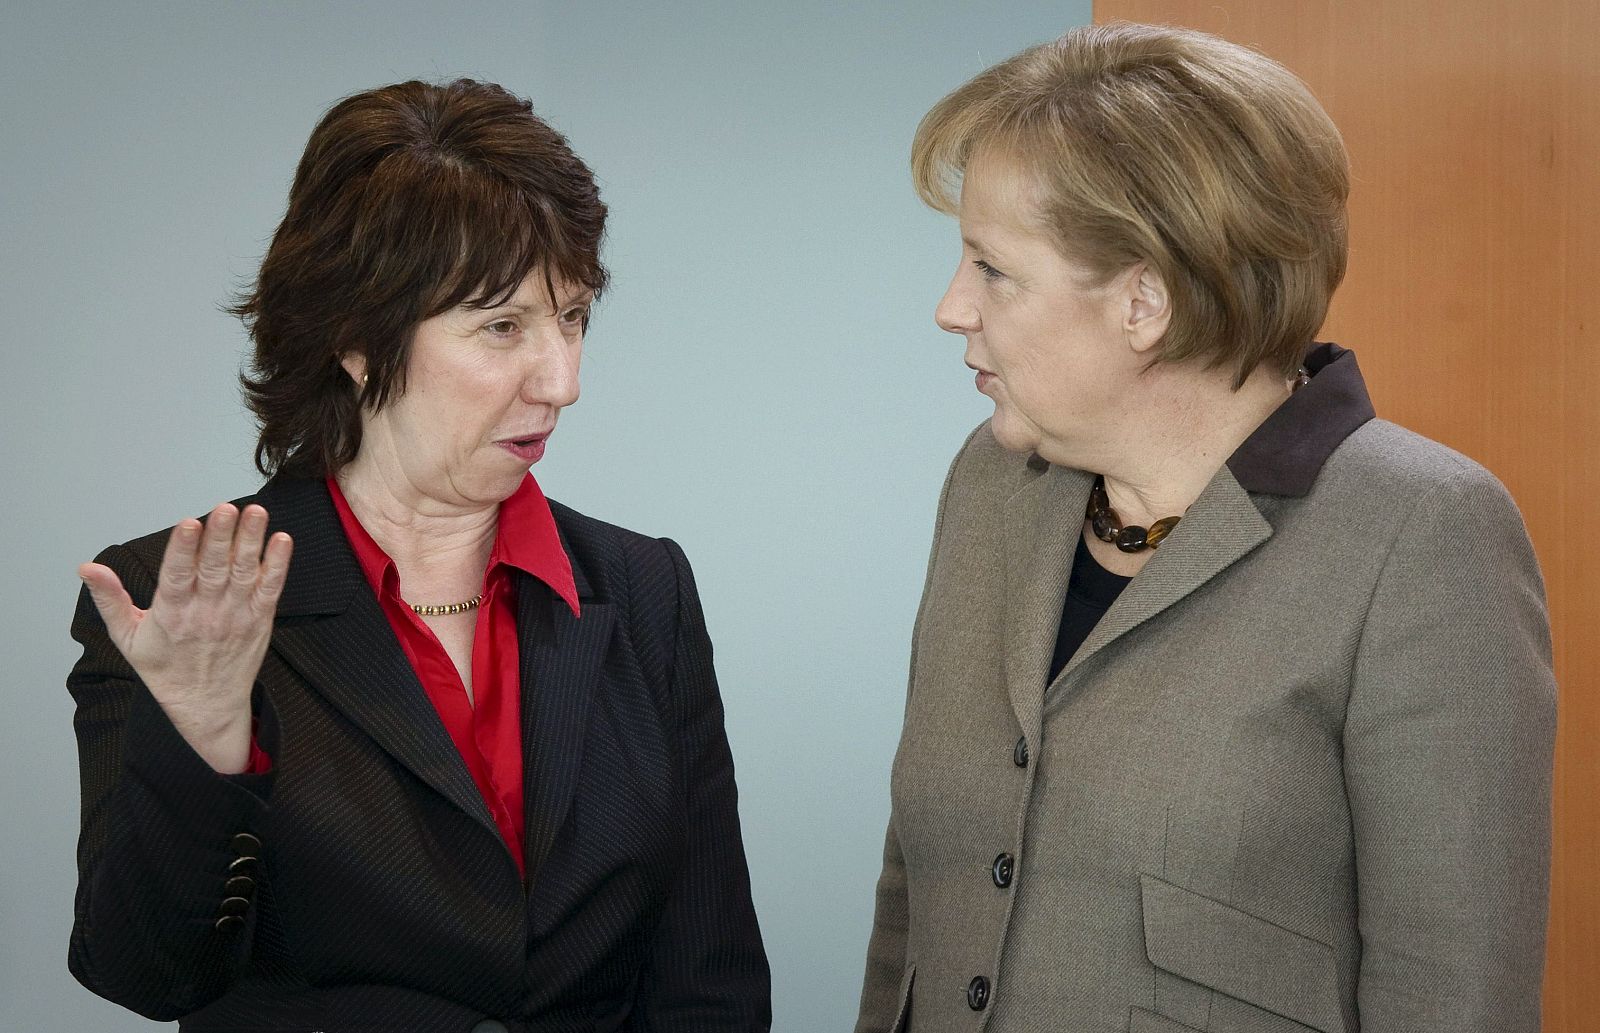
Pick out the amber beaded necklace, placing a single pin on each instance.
(1107, 526)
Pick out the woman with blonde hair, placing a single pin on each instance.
(1230, 704)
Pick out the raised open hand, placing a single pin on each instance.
(199, 646)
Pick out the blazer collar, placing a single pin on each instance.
(561, 655)
(331, 630)
(1044, 521)
(1286, 453)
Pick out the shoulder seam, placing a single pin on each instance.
(1460, 472)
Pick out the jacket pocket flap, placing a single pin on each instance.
(1208, 942)
(1141, 1021)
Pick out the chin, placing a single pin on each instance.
(1012, 438)
(492, 488)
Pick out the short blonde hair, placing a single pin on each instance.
(1203, 158)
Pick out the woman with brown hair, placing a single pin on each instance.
(459, 763)
(1230, 705)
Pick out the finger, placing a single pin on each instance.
(274, 572)
(247, 547)
(216, 546)
(178, 561)
(112, 600)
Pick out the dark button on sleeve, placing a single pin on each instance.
(246, 845)
(234, 906)
(978, 993)
(230, 923)
(244, 866)
(1005, 867)
(240, 886)
(1019, 753)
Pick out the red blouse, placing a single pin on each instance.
(487, 729)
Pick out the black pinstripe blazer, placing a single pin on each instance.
(372, 887)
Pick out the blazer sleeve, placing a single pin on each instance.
(1449, 740)
(157, 836)
(707, 970)
(886, 950)
(883, 985)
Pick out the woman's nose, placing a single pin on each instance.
(954, 313)
(553, 378)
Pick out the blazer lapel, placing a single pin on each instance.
(561, 657)
(331, 630)
(1043, 521)
(1220, 528)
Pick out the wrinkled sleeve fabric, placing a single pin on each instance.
(1449, 741)
(887, 960)
(157, 834)
(886, 950)
(707, 970)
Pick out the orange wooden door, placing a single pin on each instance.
(1474, 135)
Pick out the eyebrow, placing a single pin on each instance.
(582, 297)
(978, 246)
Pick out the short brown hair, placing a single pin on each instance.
(1205, 159)
(410, 199)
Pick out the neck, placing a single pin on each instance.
(1174, 444)
(440, 548)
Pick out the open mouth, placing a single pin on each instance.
(529, 449)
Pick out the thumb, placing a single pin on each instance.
(111, 599)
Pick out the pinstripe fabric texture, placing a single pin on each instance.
(385, 898)
(1297, 779)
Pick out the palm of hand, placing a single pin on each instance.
(200, 645)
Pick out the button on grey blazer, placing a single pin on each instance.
(1298, 777)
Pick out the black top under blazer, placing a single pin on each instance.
(381, 896)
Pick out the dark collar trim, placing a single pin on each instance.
(1286, 453)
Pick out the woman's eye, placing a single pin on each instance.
(989, 272)
(502, 327)
(575, 316)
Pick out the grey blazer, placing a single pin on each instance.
(1297, 778)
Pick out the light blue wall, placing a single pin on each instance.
(765, 383)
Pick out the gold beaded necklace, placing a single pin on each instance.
(441, 611)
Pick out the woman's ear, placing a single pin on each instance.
(355, 364)
(1148, 307)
